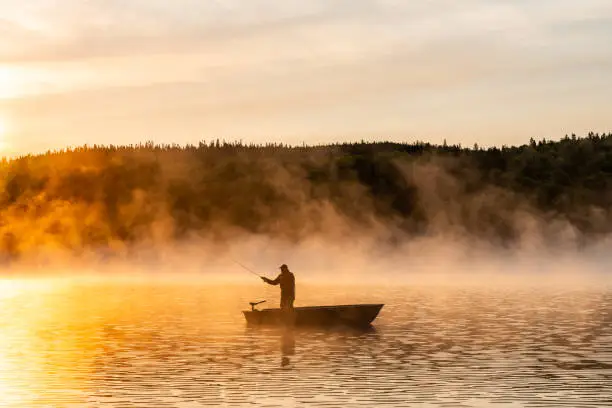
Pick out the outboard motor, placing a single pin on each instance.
(253, 304)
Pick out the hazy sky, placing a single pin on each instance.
(486, 71)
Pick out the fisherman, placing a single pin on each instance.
(287, 286)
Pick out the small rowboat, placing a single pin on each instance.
(349, 315)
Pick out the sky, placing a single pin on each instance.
(490, 72)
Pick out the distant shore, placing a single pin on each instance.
(113, 197)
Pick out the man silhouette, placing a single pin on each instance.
(287, 286)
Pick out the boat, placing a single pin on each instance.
(361, 315)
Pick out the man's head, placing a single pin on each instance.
(284, 268)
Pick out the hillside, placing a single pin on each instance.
(109, 198)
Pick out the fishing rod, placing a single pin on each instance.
(253, 272)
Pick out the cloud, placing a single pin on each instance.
(304, 67)
(111, 28)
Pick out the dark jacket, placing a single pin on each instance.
(287, 284)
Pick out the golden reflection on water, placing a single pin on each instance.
(45, 344)
(26, 345)
(57, 335)
(142, 343)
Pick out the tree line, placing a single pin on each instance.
(111, 197)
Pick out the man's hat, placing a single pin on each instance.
(284, 266)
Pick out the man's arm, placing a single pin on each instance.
(272, 282)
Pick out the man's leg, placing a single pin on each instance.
(286, 303)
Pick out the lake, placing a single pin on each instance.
(184, 343)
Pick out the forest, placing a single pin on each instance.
(110, 198)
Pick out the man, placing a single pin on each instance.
(287, 286)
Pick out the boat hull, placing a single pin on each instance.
(350, 315)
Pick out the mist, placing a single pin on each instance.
(344, 213)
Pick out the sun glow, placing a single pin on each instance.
(10, 288)
(3, 132)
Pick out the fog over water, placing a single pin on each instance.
(369, 204)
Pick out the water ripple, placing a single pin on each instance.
(155, 346)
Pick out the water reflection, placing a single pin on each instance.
(287, 346)
(153, 345)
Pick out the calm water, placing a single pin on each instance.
(185, 344)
